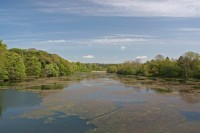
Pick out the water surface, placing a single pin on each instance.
(99, 104)
(13, 103)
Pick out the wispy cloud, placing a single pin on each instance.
(118, 40)
(172, 8)
(142, 58)
(123, 48)
(88, 57)
(167, 8)
(53, 41)
(189, 29)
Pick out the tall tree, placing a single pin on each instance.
(189, 64)
(51, 70)
(169, 69)
(3, 71)
(159, 57)
(33, 66)
(3, 47)
(15, 66)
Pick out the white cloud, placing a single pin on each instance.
(142, 58)
(189, 29)
(174, 8)
(54, 41)
(88, 56)
(118, 40)
(123, 48)
(167, 8)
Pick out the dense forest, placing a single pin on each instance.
(186, 66)
(18, 64)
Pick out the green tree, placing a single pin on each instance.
(15, 66)
(3, 71)
(189, 64)
(159, 57)
(143, 70)
(192, 55)
(112, 69)
(194, 60)
(65, 67)
(153, 67)
(169, 69)
(197, 69)
(51, 70)
(3, 47)
(33, 66)
(129, 68)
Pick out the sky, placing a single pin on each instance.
(102, 31)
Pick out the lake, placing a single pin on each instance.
(98, 103)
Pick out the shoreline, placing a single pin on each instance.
(159, 84)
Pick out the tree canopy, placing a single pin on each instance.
(186, 66)
(17, 64)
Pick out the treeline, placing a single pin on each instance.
(17, 64)
(186, 66)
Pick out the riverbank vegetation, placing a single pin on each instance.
(185, 67)
(19, 64)
(24, 64)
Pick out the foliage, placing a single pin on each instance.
(44, 64)
(129, 68)
(17, 63)
(187, 66)
(3, 70)
(15, 66)
(169, 69)
(3, 47)
(33, 66)
(88, 67)
(112, 69)
(51, 70)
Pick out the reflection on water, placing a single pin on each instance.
(114, 106)
(14, 103)
(191, 116)
(61, 124)
(48, 87)
(1, 110)
(190, 98)
(12, 99)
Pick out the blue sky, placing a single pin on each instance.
(103, 31)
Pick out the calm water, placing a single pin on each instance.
(14, 103)
(98, 104)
